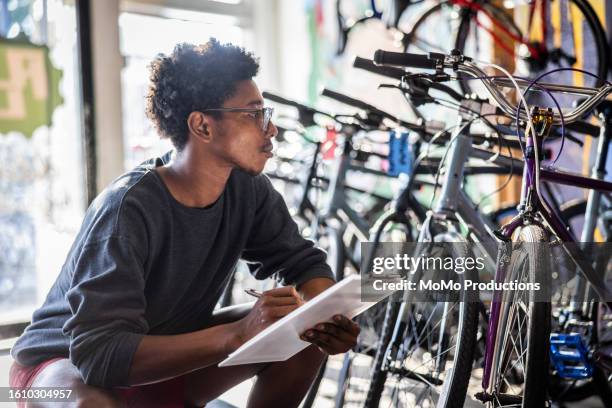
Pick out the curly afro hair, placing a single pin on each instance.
(194, 78)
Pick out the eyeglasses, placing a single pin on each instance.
(264, 114)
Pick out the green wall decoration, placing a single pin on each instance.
(29, 87)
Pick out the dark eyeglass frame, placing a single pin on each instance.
(266, 113)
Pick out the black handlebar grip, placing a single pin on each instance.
(347, 100)
(368, 65)
(356, 103)
(401, 59)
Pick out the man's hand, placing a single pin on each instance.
(270, 307)
(337, 336)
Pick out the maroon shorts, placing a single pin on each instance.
(166, 394)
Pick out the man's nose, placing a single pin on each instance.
(272, 130)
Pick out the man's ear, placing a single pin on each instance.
(200, 125)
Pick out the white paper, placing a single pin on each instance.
(281, 340)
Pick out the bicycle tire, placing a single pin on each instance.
(335, 247)
(536, 365)
(379, 377)
(539, 329)
(410, 36)
(455, 385)
(590, 17)
(311, 396)
(573, 208)
(457, 39)
(454, 390)
(464, 30)
(601, 41)
(372, 318)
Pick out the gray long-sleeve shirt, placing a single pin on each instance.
(142, 263)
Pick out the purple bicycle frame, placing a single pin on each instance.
(555, 224)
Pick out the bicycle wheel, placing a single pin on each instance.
(433, 30)
(332, 242)
(444, 26)
(354, 372)
(431, 27)
(429, 362)
(573, 33)
(378, 376)
(598, 340)
(519, 379)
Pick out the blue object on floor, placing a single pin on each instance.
(570, 356)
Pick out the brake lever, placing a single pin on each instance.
(414, 91)
(431, 78)
(418, 95)
(357, 123)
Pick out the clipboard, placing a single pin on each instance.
(281, 340)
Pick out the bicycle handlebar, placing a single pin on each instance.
(462, 64)
(397, 73)
(369, 65)
(367, 107)
(347, 100)
(420, 126)
(281, 100)
(303, 109)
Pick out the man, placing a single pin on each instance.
(133, 304)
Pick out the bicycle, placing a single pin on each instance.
(405, 206)
(519, 36)
(534, 224)
(534, 47)
(373, 320)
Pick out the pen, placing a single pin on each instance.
(253, 293)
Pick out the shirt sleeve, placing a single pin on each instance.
(108, 304)
(275, 246)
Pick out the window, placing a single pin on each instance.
(41, 177)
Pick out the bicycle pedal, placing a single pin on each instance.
(570, 356)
